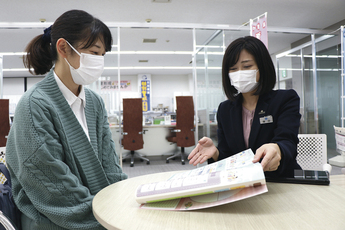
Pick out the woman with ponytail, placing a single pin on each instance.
(60, 150)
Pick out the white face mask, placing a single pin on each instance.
(244, 80)
(90, 68)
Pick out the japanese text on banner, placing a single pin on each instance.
(145, 94)
(258, 28)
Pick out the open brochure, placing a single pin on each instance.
(228, 180)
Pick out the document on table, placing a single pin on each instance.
(232, 179)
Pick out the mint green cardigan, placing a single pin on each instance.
(55, 170)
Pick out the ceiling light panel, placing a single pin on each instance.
(149, 40)
(161, 1)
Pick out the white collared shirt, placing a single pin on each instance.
(77, 103)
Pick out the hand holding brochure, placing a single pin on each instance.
(235, 172)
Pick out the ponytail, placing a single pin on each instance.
(75, 26)
(38, 55)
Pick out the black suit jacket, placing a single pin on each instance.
(283, 106)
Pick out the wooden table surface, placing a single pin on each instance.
(284, 206)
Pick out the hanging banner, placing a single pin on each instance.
(145, 89)
(258, 28)
(343, 50)
(125, 85)
(342, 73)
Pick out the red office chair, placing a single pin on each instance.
(184, 126)
(133, 129)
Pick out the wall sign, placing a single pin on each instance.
(114, 85)
(145, 89)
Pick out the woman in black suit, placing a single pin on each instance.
(254, 116)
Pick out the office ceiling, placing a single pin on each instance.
(285, 15)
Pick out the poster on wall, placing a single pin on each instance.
(145, 89)
(258, 28)
(114, 85)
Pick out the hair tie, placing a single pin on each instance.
(46, 36)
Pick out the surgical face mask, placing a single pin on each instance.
(244, 80)
(90, 68)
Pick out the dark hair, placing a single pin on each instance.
(262, 58)
(74, 26)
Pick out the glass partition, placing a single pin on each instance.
(108, 88)
(328, 62)
(210, 50)
(313, 69)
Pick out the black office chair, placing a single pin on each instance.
(133, 129)
(183, 135)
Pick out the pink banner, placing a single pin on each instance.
(259, 29)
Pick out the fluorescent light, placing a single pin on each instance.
(208, 46)
(13, 53)
(130, 68)
(130, 52)
(321, 70)
(15, 70)
(317, 56)
(164, 52)
(158, 67)
(151, 52)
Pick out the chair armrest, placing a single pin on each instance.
(4, 221)
(175, 130)
(143, 132)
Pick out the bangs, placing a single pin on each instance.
(98, 30)
(234, 56)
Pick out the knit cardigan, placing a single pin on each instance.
(55, 169)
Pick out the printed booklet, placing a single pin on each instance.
(227, 176)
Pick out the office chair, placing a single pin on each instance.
(312, 152)
(4, 121)
(5, 222)
(2, 160)
(184, 126)
(340, 146)
(133, 129)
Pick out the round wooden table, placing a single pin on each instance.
(284, 206)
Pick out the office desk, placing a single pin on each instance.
(284, 206)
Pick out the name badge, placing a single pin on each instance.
(266, 119)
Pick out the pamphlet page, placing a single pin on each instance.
(223, 181)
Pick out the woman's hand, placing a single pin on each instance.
(271, 156)
(204, 150)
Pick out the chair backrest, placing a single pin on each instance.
(340, 139)
(185, 121)
(4, 121)
(312, 151)
(132, 124)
